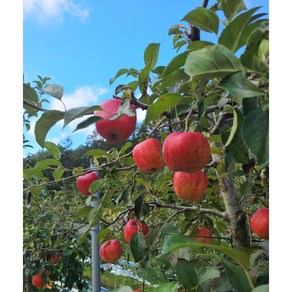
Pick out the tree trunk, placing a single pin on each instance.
(236, 217)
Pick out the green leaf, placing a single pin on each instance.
(250, 58)
(144, 78)
(29, 94)
(153, 276)
(119, 73)
(255, 132)
(58, 173)
(28, 172)
(78, 112)
(209, 275)
(138, 206)
(233, 129)
(138, 246)
(53, 149)
(54, 90)
(176, 63)
(151, 54)
(237, 146)
(262, 288)
(95, 215)
(177, 241)
(239, 86)
(197, 45)
(236, 276)
(44, 164)
(163, 103)
(173, 79)
(231, 36)
(211, 62)
(45, 123)
(169, 287)
(186, 273)
(84, 211)
(95, 185)
(97, 153)
(89, 121)
(203, 19)
(232, 7)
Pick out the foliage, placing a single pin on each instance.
(220, 90)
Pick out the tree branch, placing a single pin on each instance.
(187, 208)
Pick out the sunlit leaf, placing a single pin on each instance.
(203, 19)
(151, 54)
(255, 132)
(78, 112)
(45, 123)
(211, 62)
(54, 90)
(239, 86)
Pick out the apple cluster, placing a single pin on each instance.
(111, 250)
(184, 153)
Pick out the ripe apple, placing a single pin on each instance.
(259, 223)
(137, 290)
(190, 186)
(38, 281)
(147, 155)
(84, 181)
(186, 151)
(203, 235)
(117, 130)
(54, 259)
(132, 227)
(110, 251)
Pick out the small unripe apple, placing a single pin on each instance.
(132, 227)
(203, 234)
(37, 280)
(84, 181)
(190, 186)
(148, 156)
(186, 151)
(259, 223)
(110, 251)
(116, 130)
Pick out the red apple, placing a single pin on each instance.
(38, 281)
(190, 186)
(203, 235)
(110, 251)
(147, 155)
(132, 227)
(117, 130)
(54, 259)
(84, 181)
(137, 290)
(259, 223)
(186, 151)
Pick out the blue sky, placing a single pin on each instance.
(81, 44)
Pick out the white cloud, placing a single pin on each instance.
(140, 115)
(82, 96)
(48, 10)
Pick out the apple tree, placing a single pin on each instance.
(207, 111)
